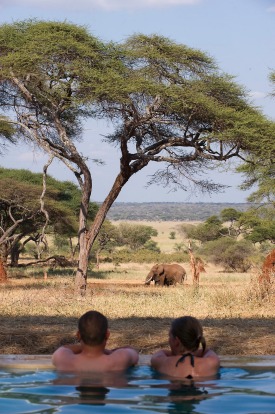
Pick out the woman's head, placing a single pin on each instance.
(189, 332)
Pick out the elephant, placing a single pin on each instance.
(166, 275)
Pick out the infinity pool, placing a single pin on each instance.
(245, 390)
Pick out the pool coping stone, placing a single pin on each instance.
(20, 361)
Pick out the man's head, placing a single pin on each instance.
(93, 328)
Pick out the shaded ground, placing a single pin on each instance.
(38, 335)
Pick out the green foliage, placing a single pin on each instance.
(230, 214)
(211, 229)
(23, 188)
(135, 235)
(179, 247)
(260, 173)
(20, 208)
(61, 243)
(257, 224)
(172, 235)
(264, 231)
(62, 198)
(182, 89)
(107, 238)
(31, 250)
(6, 130)
(146, 256)
(64, 69)
(229, 253)
(213, 221)
(151, 245)
(259, 170)
(186, 230)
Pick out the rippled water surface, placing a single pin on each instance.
(140, 390)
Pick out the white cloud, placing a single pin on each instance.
(257, 95)
(107, 5)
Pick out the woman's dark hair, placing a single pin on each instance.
(93, 327)
(189, 331)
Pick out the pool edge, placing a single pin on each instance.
(19, 361)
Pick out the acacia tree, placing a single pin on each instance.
(169, 104)
(21, 218)
(135, 236)
(45, 72)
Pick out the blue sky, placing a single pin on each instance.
(238, 34)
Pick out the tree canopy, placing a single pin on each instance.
(135, 236)
(259, 170)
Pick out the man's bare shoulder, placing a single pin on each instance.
(63, 358)
(124, 357)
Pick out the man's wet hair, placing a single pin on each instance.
(93, 327)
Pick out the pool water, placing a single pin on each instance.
(140, 390)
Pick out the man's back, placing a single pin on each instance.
(64, 359)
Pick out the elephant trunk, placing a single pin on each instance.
(148, 279)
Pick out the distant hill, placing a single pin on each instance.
(170, 211)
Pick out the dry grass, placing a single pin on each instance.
(38, 315)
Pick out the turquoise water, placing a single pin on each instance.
(140, 390)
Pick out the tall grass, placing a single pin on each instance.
(120, 292)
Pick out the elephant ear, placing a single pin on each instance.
(160, 269)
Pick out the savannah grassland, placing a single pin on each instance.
(38, 315)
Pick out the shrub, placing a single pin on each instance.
(61, 243)
(152, 245)
(146, 256)
(172, 235)
(231, 254)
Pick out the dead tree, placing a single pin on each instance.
(197, 266)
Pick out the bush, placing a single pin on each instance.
(61, 244)
(146, 256)
(172, 235)
(231, 254)
(151, 245)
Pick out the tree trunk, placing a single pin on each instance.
(87, 238)
(15, 253)
(82, 270)
(194, 268)
(97, 258)
(83, 254)
(3, 263)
